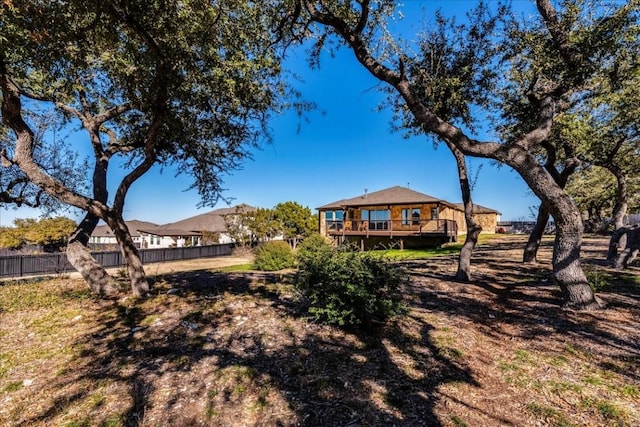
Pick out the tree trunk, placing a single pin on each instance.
(80, 258)
(464, 263)
(561, 178)
(620, 258)
(530, 255)
(567, 271)
(566, 258)
(473, 228)
(621, 204)
(135, 268)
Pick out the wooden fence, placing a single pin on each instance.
(55, 263)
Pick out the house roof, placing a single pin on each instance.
(479, 209)
(212, 222)
(134, 226)
(390, 196)
(163, 231)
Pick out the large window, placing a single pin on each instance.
(411, 216)
(378, 218)
(334, 219)
(333, 215)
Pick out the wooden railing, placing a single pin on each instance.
(433, 226)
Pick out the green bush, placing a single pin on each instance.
(272, 256)
(349, 288)
(310, 245)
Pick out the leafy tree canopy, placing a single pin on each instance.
(549, 62)
(263, 224)
(187, 84)
(296, 220)
(49, 233)
(190, 84)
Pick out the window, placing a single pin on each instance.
(334, 219)
(333, 215)
(411, 216)
(379, 215)
(378, 219)
(415, 216)
(434, 213)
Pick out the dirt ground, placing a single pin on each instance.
(235, 349)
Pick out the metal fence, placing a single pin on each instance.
(56, 263)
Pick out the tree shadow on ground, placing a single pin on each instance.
(212, 323)
(218, 349)
(509, 299)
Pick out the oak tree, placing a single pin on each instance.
(50, 234)
(581, 40)
(296, 221)
(188, 85)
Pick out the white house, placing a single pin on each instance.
(206, 228)
(102, 235)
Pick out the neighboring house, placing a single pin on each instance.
(195, 231)
(102, 236)
(401, 216)
(487, 218)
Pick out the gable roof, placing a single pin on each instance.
(212, 221)
(133, 226)
(389, 196)
(479, 209)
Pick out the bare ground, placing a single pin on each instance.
(235, 349)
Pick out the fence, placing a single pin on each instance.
(55, 263)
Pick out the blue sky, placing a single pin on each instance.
(346, 147)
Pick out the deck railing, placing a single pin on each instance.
(401, 227)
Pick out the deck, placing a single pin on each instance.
(392, 229)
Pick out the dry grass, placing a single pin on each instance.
(234, 349)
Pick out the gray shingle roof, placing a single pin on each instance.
(212, 221)
(133, 226)
(389, 196)
(479, 209)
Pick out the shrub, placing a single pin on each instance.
(273, 255)
(345, 287)
(311, 245)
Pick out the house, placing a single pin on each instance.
(103, 238)
(487, 218)
(203, 229)
(401, 216)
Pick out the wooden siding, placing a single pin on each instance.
(356, 226)
(488, 222)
